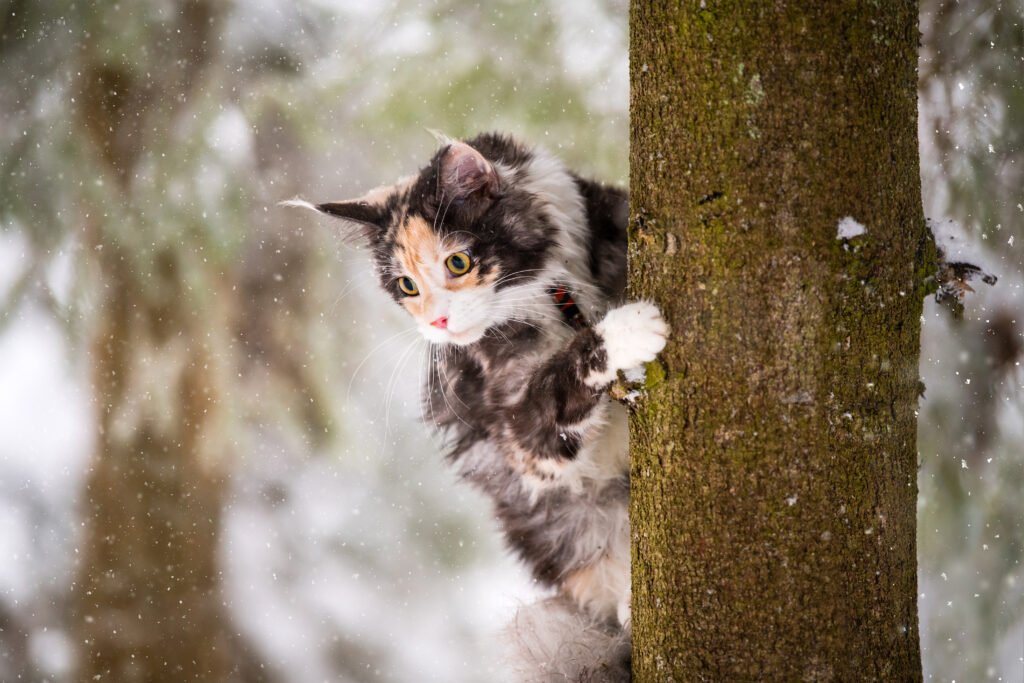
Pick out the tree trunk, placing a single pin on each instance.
(774, 460)
(148, 596)
(147, 599)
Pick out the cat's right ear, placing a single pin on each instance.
(466, 174)
(369, 213)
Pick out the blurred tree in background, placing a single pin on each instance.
(195, 436)
(971, 522)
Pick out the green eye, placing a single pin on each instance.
(459, 263)
(407, 286)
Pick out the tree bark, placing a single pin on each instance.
(774, 459)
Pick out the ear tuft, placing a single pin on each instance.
(298, 202)
(442, 139)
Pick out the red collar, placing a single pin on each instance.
(565, 303)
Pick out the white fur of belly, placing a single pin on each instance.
(603, 455)
(602, 588)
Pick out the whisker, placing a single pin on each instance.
(349, 287)
(518, 275)
(546, 314)
(429, 369)
(392, 383)
(497, 330)
(434, 227)
(449, 235)
(535, 297)
(352, 379)
(444, 394)
(445, 214)
(525, 271)
(520, 321)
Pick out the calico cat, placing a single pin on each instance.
(514, 266)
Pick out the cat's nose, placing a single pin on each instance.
(441, 322)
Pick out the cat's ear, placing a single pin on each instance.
(369, 212)
(464, 173)
(356, 210)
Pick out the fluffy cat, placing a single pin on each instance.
(514, 266)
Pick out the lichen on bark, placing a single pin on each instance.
(774, 467)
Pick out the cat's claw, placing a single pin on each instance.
(633, 334)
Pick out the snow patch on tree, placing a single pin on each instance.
(849, 228)
(957, 243)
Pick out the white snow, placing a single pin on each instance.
(231, 136)
(849, 228)
(958, 244)
(637, 375)
(53, 651)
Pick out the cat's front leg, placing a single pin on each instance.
(558, 409)
(632, 335)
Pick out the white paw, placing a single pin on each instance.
(633, 335)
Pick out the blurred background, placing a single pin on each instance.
(971, 426)
(212, 461)
(212, 464)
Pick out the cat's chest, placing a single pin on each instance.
(484, 380)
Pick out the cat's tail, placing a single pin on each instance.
(552, 641)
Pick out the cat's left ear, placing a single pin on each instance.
(369, 212)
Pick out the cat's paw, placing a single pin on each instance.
(633, 334)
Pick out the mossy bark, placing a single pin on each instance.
(774, 467)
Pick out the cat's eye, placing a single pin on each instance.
(407, 286)
(458, 263)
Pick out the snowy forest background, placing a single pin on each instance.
(148, 280)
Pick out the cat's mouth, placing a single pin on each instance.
(457, 337)
(466, 337)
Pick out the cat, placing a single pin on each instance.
(515, 268)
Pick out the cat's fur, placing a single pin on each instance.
(520, 391)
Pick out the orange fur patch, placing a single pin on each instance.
(420, 250)
(418, 245)
(591, 589)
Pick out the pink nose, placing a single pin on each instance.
(441, 322)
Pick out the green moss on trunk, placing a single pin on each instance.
(774, 468)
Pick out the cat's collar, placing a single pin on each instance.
(567, 306)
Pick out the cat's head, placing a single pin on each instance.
(463, 245)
